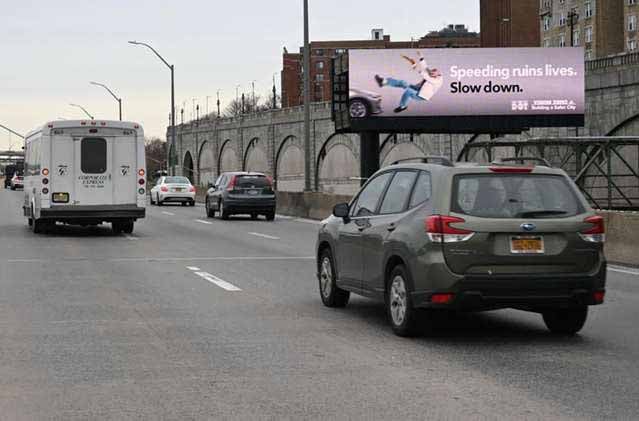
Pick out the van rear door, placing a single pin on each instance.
(93, 169)
(125, 170)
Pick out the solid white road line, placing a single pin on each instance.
(193, 268)
(204, 222)
(619, 270)
(268, 237)
(168, 213)
(160, 259)
(217, 281)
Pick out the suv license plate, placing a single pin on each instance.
(527, 245)
(253, 192)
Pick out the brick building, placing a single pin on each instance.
(597, 25)
(509, 23)
(453, 36)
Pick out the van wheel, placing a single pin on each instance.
(116, 227)
(37, 226)
(127, 227)
(402, 315)
(254, 216)
(332, 295)
(270, 216)
(565, 321)
(30, 222)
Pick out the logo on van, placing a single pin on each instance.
(124, 169)
(63, 170)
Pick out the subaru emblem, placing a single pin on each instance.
(528, 227)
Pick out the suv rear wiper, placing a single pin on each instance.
(532, 214)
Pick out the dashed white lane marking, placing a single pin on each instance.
(193, 268)
(619, 270)
(217, 281)
(168, 213)
(268, 237)
(204, 222)
(131, 238)
(159, 259)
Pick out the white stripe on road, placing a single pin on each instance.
(268, 237)
(217, 281)
(168, 213)
(619, 270)
(159, 259)
(131, 238)
(193, 268)
(204, 222)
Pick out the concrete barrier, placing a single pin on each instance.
(311, 205)
(622, 229)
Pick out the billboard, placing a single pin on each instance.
(466, 90)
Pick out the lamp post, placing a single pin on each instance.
(112, 94)
(172, 68)
(307, 103)
(11, 131)
(218, 103)
(83, 109)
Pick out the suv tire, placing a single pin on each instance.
(565, 321)
(224, 214)
(403, 317)
(332, 295)
(210, 213)
(270, 216)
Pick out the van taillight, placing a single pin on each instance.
(439, 229)
(45, 172)
(231, 186)
(141, 172)
(45, 181)
(141, 181)
(597, 232)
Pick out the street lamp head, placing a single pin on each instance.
(134, 42)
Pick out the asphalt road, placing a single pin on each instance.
(190, 318)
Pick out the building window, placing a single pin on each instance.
(562, 19)
(546, 42)
(93, 155)
(588, 35)
(319, 78)
(588, 54)
(632, 44)
(547, 23)
(340, 51)
(575, 37)
(588, 9)
(562, 40)
(632, 2)
(320, 65)
(632, 23)
(546, 4)
(319, 52)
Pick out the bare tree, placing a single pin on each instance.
(236, 108)
(156, 150)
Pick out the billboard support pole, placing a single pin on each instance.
(369, 155)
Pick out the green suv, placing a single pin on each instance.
(466, 237)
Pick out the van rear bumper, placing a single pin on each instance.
(103, 212)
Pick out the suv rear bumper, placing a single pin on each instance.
(477, 293)
(104, 213)
(239, 206)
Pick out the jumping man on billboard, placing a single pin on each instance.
(432, 81)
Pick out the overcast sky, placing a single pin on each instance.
(51, 50)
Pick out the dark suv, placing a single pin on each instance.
(433, 235)
(241, 193)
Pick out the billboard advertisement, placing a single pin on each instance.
(478, 87)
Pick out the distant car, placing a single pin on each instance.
(173, 190)
(17, 182)
(364, 103)
(466, 238)
(241, 193)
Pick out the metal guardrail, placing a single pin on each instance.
(606, 169)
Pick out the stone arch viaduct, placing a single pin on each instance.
(272, 141)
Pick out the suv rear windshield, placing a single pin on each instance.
(176, 180)
(515, 196)
(252, 181)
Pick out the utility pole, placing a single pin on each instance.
(253, 87)
(242, 103)
(218, 103)
(307, 102)
(119, 100)
(182, 113)
(274, 93)
(193, 110)
(197, 115)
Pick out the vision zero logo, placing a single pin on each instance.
(520, 105)
(63, 170)
(125, 169)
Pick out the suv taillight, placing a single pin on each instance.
(597, 233)
(231, 185)
(439, 229)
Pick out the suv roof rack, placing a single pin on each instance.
(437, 160)
(522, 160)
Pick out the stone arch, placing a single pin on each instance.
(228, 159)
(206, 163)
(255, 157)
(628, 127)
(337, 166)
(289, 165)
(187, 166)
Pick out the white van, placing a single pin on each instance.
(85, 173)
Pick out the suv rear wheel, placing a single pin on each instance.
(332, 295)
(224, 214)
(565, 321)
(402, 315)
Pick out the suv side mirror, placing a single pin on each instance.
(211, 186)
(341, 210)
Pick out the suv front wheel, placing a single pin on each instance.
(332, 295)
(402, 315)
(565, 321)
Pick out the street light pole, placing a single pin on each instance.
(307, 103)
(218, 103)
(83, 109)
(172, 68)
(112, 94)
(11, 131)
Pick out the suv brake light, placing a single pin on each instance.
(231, 185)
(597, 233)
(439, 229)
